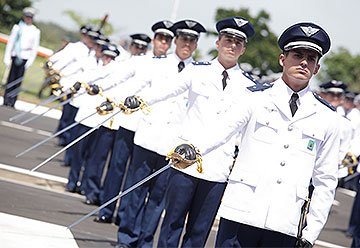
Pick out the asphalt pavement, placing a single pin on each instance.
(41, 196)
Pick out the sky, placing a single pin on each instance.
(338, 18)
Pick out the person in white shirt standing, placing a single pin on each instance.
(20, 52)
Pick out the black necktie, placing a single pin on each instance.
(181, 66)
(293, 105)
(225, 76)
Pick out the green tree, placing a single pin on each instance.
(52, 35)
(11, 12)
(341, 65)
(107, 29)
(262, 51)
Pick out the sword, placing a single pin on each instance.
(74, 142)
(46, 101)
(17, 91)
(54, 107)
(123, 193)
(12, 83)
(55, 135)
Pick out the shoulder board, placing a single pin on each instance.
(324, 102)
(159, 57)
(260, 86)
(139, 54)
(201, 63)
(247, 75)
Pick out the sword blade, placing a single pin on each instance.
(46, 101)
(73, 142)
(48, 110)
(17, 91)
(123, 193)
(54, 135)
(12, 83)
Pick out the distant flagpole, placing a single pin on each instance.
(175, 10)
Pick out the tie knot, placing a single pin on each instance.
(181, 66)
(294, 97)
(225, 74)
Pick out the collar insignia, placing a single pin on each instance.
(309, 31)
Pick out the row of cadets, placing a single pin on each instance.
(69, 61)
(349, 111)
(209, 87)
(103, 142)
(123, 143)
(297, 134)
(77, 155)
(139, 220)
(333, 92)
(77, 68)
(20, 52)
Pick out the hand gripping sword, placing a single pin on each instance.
(75, 141)
(123, 193)
(178, 159)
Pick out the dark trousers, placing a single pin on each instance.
(143, 163)
(17, 71)
(67, 118)
(122, 151)
(79, 154)
(234, 234)
(355, 213)
(198, 198)
(94, 168)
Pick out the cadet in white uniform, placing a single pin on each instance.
(297, 135)
(208, 86)
(69, 62)
(78, 152)
(139, 221)
(20, 52)
(123, 140)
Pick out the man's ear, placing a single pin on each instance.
(217, 44)
(281, 59)
(317, 68)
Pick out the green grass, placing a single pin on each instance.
(34, 75)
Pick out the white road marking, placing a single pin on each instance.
(23, 232)
(35, 173)
(25, 128)
(347, 192)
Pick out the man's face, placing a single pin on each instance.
(335, 99)
(230, 49)
(161, 44)
(185, 46)
(28, 19)
(299, 65)
(98, 52)
(134, 50)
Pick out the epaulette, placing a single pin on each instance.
(324, 102)
(160, 57)
(201, 63)
(139, 54)
(247, 75)
(260, 86)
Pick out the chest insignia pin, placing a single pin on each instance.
(311, 145)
